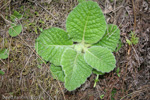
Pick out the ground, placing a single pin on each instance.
(25, 76)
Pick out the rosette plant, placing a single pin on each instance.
(86, 45)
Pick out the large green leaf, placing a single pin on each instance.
(3, 53)
(111, 37)
(100, 58)
(15, 30)
(51, 44)
(57, 72)
(86, 23)
(75, 68)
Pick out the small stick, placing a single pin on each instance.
(134, 15)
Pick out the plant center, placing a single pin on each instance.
(81, 47)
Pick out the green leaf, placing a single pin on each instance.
(113, 92)
(134, 38)
(86, 23)
(119, 46)
(51, 44)
(101, 96)
(97, 72)
(1, 72)
(57, 72)
(15, 15)
(3, 53)
(15, 30)
(75, 68)
(111, 37)
(39, 66)
(96, 80)
(128, 41)
(117, 71)
(100, 58)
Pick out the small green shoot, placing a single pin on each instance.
(119, 46)
(41, 29)
(39, 66)
(96, 80)
(113, 92)
(1, 72)
(133, 39)
(128, 41)
(3, 53)
(15, 16)
(117, 71)
(97, 72)
(102, 96)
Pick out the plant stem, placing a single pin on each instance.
(96, 80)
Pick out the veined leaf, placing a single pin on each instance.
(15, 30)
(92, 48)
(51, 44)
(86, 23)
(75, 68)
(100, 58)
(57, 72)
(111, 37)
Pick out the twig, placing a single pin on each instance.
(7, 21)
(134, 15)
(44, 90)
(124, 3)
(2, 61)
(8, 54)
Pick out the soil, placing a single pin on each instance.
(23, 80)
